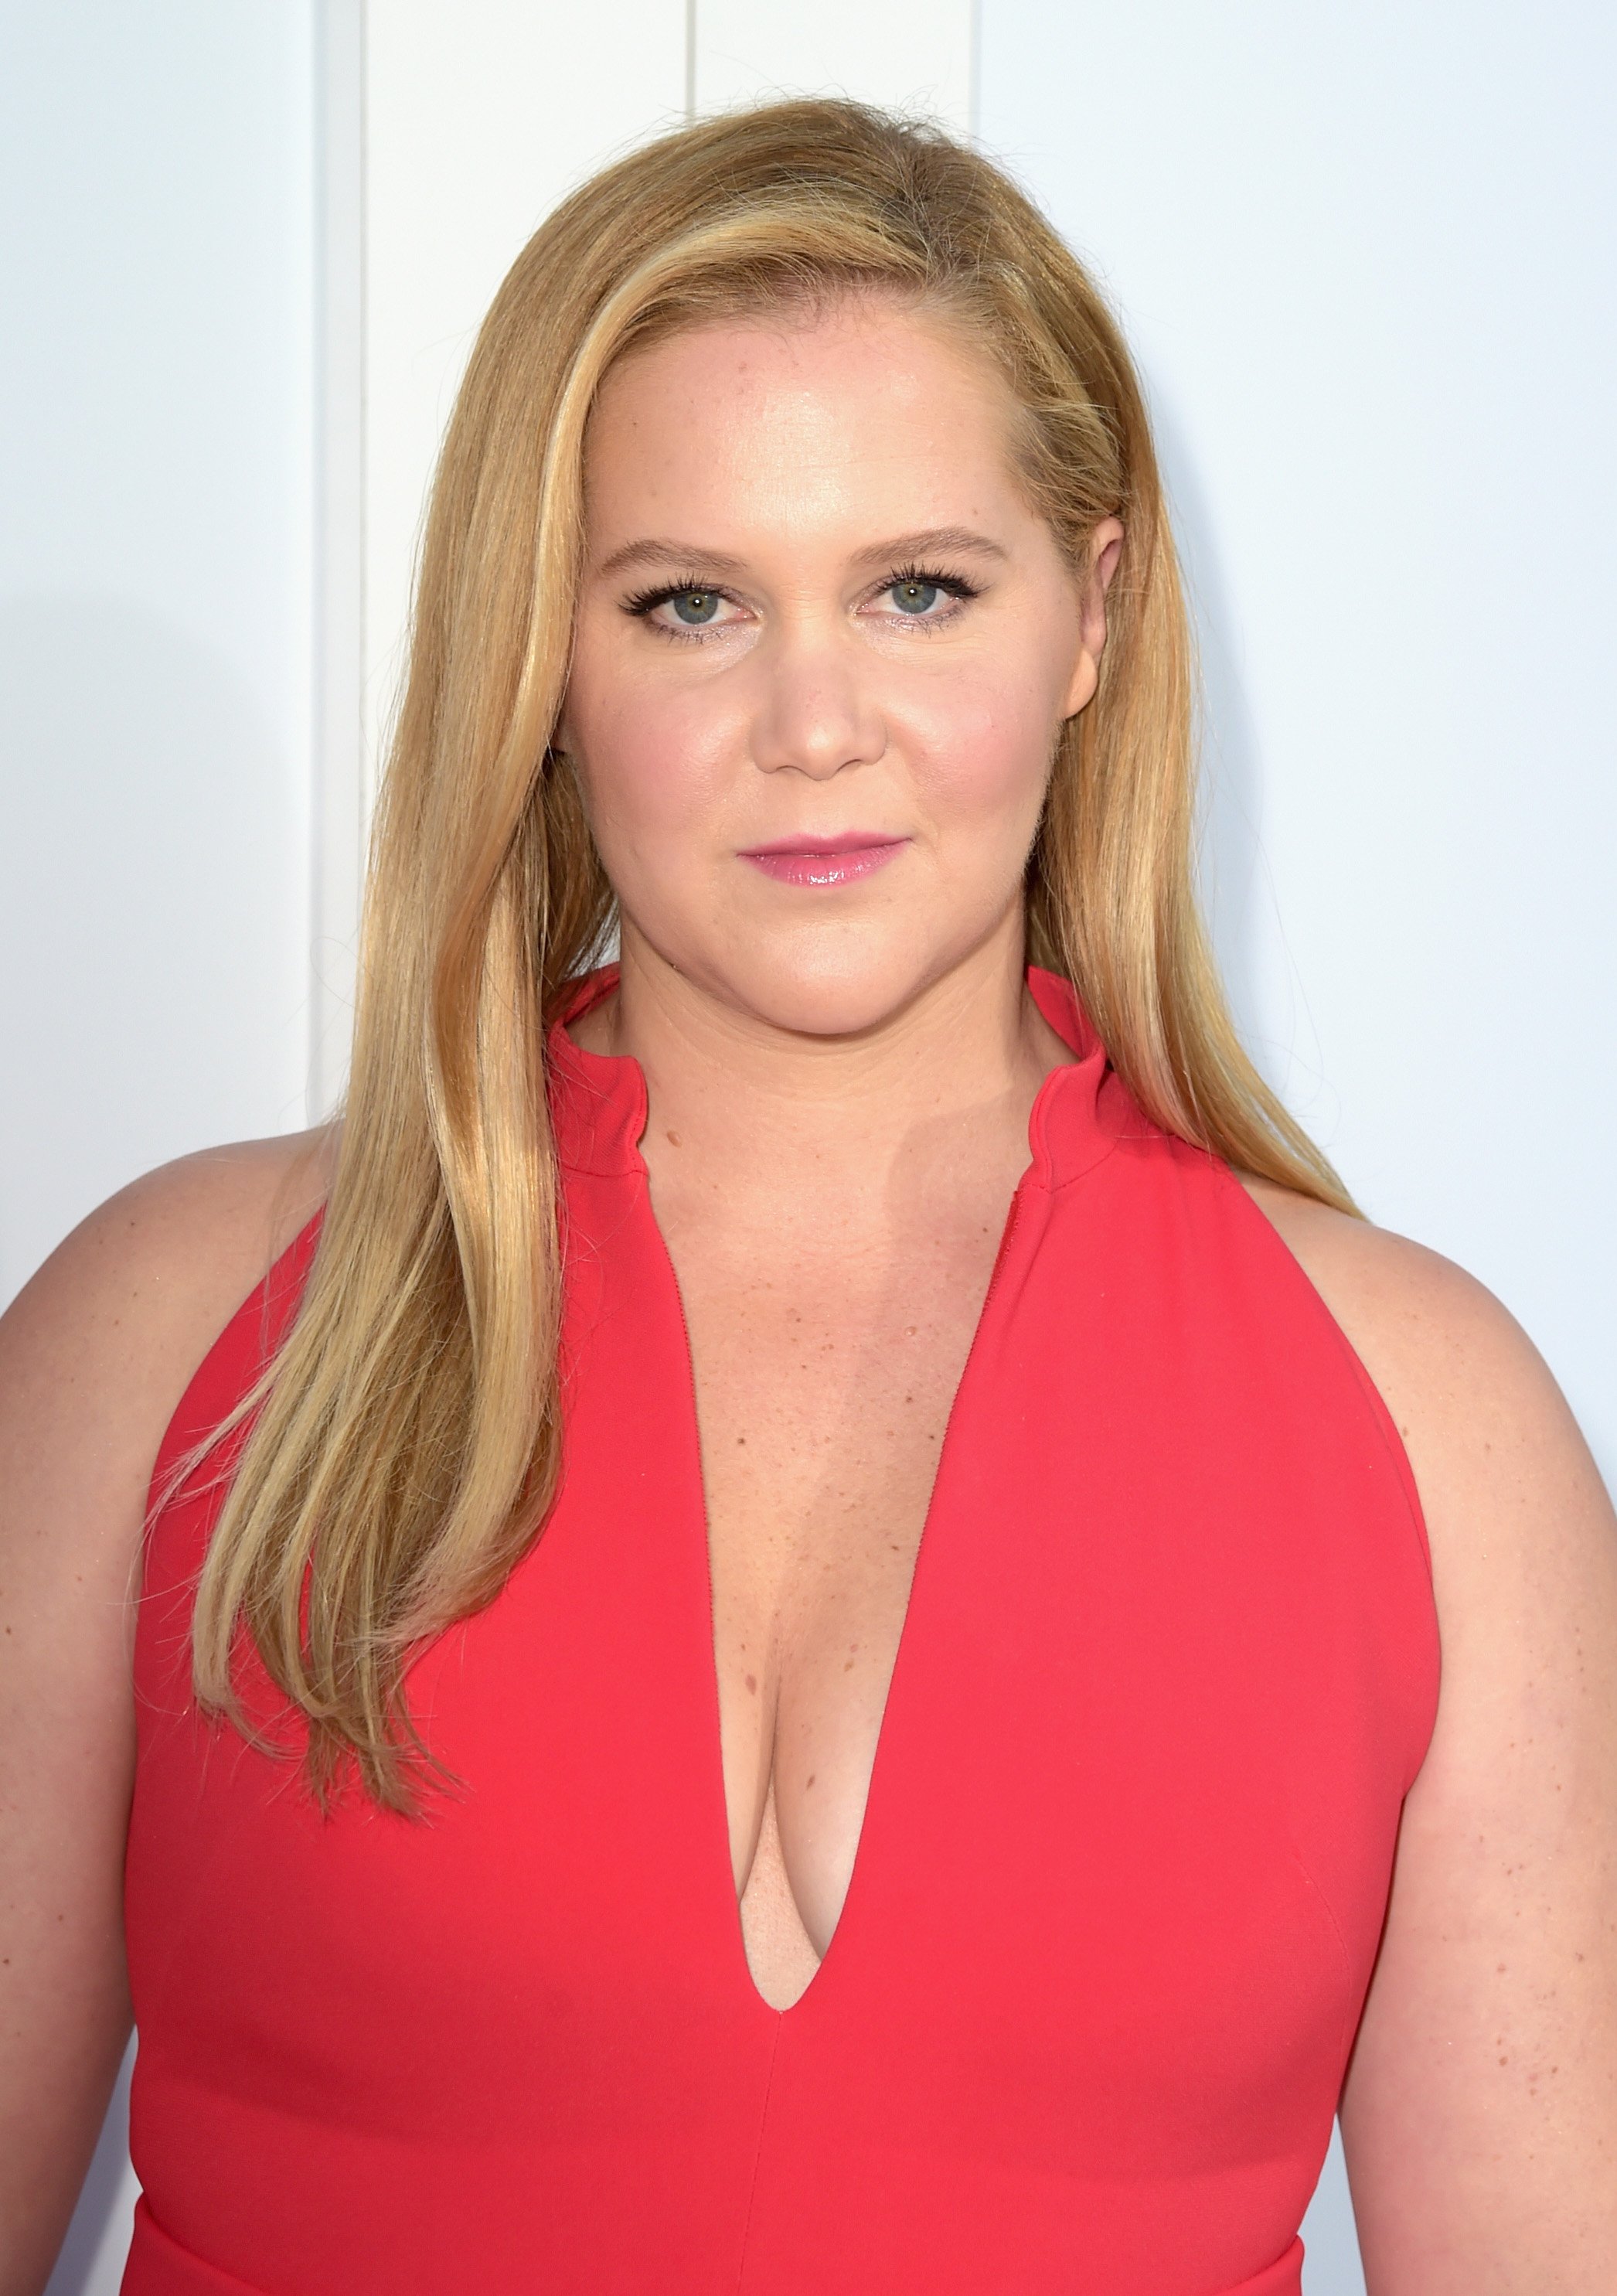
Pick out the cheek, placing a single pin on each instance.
(982, 743)
(651, 760)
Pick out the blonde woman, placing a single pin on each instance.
(791, 1596)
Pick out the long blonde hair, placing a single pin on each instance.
(405, 1442)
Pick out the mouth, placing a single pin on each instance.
(826, 860)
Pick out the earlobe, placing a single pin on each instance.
(1080, 691)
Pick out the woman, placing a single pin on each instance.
(567, 1853)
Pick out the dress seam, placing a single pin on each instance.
(757, 2157)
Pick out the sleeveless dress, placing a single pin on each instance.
(1169, 1667)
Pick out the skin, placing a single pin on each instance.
(839, 1082)
(95, 1354)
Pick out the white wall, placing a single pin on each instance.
(1364, 253)
(747, 51)
(154, 594)
(155, 628)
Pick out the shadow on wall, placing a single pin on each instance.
(1231, 772)
(91, 2259)
(153, 908)
(1238, 894)
(1243, 915)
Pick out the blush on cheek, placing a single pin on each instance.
(985, 759)
(654, 783)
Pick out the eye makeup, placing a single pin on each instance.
(642, 604)
(704, 598)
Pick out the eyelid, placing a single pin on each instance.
(642, 602)
(958, 588)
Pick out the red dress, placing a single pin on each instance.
(1168, 1667)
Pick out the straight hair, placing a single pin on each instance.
(403, 1449)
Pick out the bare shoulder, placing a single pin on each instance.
(1393, 1296)
(99, 1346)
(1458, 1373)
(1520, 1532)
(138, 1289)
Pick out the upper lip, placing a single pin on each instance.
(844, 840)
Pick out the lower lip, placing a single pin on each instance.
(826, 868)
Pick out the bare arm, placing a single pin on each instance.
(95, 1354)
(1480, 2112)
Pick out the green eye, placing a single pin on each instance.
(695, 605)
(915, 597)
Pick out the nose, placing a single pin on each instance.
(816, 712)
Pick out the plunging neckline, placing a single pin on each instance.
(611, 1071)
(927, 1542)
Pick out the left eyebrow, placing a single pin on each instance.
(956, 541)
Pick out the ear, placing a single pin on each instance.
(1105, 548)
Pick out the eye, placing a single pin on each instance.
(915, 596)
(682, 610)
(695, 606)
(924, 594)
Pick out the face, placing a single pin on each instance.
(824, 651)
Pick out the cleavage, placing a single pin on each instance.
(823, 1391)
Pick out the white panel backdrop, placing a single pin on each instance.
(1365, 255)
(156, 438)
(154, 593)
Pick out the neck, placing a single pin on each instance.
(761, 1111)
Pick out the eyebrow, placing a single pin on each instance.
(658, 550)
(662, 550)
(959, 541)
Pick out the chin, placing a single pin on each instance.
(836, 992)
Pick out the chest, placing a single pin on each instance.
(824, 1382)
(1167, 1663)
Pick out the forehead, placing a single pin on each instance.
(856, 411)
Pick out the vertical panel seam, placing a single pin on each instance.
(757, 2157)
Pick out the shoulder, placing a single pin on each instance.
(1523, 1539)
(99, 1346)
(1384, 1282)
(145, 1283)
(95, 1353)
(1461, 1378)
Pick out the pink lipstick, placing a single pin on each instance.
(826, 860)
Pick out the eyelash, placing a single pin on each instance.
(953, 586)
(645, 603)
